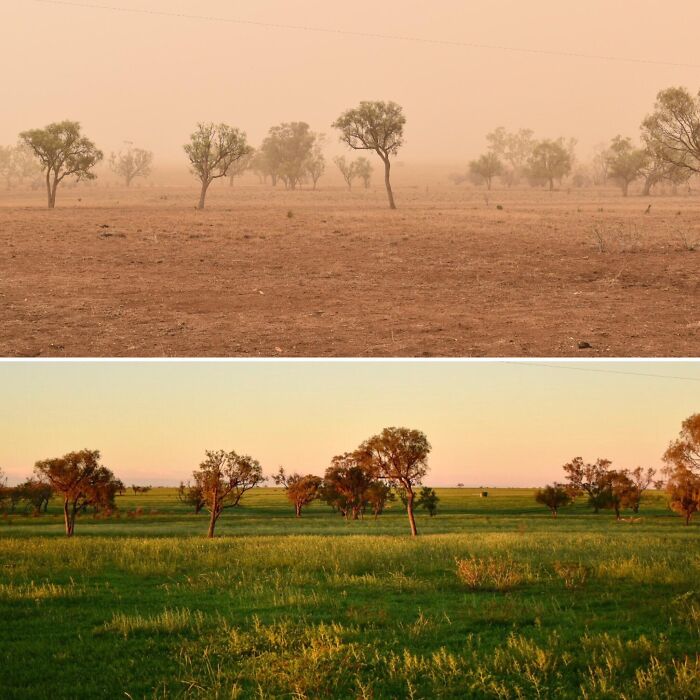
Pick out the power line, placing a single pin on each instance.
(606, 371)
(369, 35)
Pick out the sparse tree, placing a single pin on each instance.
(212, 152)
(24, 165)
(618, 491)
(36, 494)
(345, 485)
(589, 479)
(378, 494)
(514, 149)
(683, 487)
(6, 165)
(684, 451)
(224, 478)
(191, 495)
(300, 490)
(625, 162)
(485, 168)
(347, 169)
(640, 481)
(673, 129)
(287, 150)
(131, 163)
(554, 496)
(81, 481)
(600, 164)
(316, 161)
(261, 167)
(549, 161)
(428, 500)
(682, 470)
(374, 126)
(240, 166)
(364, 170)
(400, 457)
(62, 152)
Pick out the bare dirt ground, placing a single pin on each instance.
(263, 272)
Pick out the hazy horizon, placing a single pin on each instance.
(149, 78)
(490, 423)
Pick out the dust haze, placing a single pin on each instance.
(149, 79)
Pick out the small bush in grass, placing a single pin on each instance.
(489, 574)
(573, 575)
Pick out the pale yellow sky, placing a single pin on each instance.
(489, 422)
(150, 78)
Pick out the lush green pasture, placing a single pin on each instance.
(144, 606)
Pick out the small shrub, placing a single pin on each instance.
(573, 575)
(489, 574)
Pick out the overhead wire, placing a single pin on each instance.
(368, 35)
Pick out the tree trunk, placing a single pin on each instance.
(625, 188)
(409, 509)
(297, 508)
(554, 513)
(551, 184)
(68, 519)
(648, 184)
(488, 183)
(48, 189)
(387, 182)
(203, 194)
(212, 523)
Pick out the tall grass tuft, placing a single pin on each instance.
(489, 574)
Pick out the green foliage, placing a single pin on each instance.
(212, 151)
(673, 129)
(625, 162)
(289, 153)
(374, 126)
(62, 152)
(554, 496)
(549, 161)
(485, 168)
(428, 500)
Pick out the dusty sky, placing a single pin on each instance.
(490, 423)
(150, 78)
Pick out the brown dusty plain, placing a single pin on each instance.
(263, 272)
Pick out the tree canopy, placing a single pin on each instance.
(81, 480)
(62, 152)
(374, 126)
(212, 151)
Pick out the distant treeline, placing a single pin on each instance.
(669, 152)
(388, 465)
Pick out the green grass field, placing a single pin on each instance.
(143, 606)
